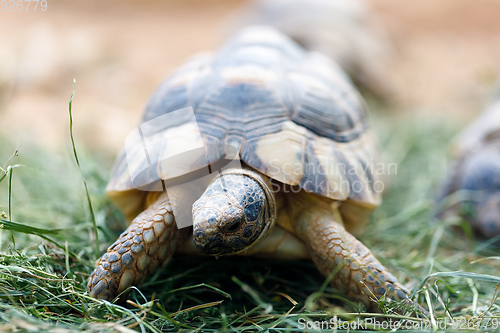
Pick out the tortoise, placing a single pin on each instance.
(474, 175)
(300, 132)
(343, 30)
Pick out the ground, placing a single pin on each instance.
(444, 70)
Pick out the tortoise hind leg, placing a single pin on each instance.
(148, 242)
(359, 274)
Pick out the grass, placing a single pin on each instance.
(44, 273)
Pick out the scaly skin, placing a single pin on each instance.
(359, 275)
(147, 244)
(153, 237)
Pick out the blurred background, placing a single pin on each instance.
(441, 58)
(426, 69)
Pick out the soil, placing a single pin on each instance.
(445, 60)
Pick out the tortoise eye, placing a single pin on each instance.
(234, 226)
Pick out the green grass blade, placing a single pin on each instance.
(11, 172)
(27, 229)
(89, 202)
(40, 232)
(467, 275)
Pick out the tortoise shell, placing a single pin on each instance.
(287, 113)
(484, 130)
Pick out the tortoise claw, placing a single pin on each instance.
(101, 291)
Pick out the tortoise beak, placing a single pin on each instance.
(207, 236)
(205, 243)
(209, 241)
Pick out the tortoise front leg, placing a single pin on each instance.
(359, 274)
(148, 242)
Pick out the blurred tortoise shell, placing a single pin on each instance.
(346, 31)
(287, 113)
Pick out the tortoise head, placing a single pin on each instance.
(480, 174)
(487, 217)
(235, 212)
